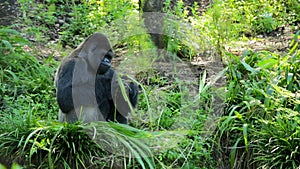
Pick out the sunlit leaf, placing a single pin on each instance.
(268, 63)
(249, 68)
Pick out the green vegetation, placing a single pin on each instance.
(262, 116)
(177, 124)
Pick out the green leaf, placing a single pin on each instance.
(282, 91)
(233, 153)
(2, 166)
(5, 31)
(294, 43)
(268, 63)
(7, 45)
(289, 78)
(245, 134)
(249, 68)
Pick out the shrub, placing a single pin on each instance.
(27, 81)
(262, 95)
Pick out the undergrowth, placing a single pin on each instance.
(262, 116)
(260, 125)
(26, 81)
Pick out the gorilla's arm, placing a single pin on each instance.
(132, 90)
(115, 109)
(133, 94)
(64, 86)
(103, 92)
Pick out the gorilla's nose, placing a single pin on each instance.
(106, 60)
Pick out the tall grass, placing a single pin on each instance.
(26, 81)
(262, 95)
(56, 145)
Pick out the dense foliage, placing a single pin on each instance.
(177, 124)
(262, 116)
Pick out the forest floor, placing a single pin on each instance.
(190, 70)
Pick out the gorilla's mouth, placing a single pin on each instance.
(104, 66)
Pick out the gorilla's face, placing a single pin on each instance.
(105, 63)
(97, 53)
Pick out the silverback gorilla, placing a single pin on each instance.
(87, 89)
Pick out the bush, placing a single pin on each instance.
(262, 95)
(27, 81)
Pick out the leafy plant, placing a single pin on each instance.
(260, 100)
(26, 80)
(57, 145)
(278, 139)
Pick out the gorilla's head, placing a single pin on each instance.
(96, 50)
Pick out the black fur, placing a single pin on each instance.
(103, 88)
(105, 101)
(64, 86)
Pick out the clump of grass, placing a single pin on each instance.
(278, 140)
(27, 81)
(57, 145)
(172, 106)
(262, 96)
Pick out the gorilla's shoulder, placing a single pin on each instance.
(67, 62)
(65, 71)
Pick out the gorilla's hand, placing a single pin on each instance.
(133, 93)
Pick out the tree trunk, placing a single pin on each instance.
(8, 11)
(153, 19)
